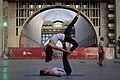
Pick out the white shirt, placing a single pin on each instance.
(57, 37)
(58, 71)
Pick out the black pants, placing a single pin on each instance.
(67, 33)
(66, 64)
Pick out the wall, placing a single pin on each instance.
(38, 53)
(1, 20)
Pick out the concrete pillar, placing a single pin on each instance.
(1, 27)
(103, 24)
(117, 18)
(12, 39)
(117, 6)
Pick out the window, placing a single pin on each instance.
(24, 10)
(16, 31)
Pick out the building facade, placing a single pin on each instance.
(104, 15)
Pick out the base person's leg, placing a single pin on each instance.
(66, 64)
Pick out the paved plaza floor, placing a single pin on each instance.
(28, 69)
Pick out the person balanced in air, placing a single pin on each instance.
(63, 38)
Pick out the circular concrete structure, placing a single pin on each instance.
(85, 33)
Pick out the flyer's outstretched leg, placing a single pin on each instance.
(67, 33)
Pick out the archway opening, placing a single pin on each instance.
(51, 20)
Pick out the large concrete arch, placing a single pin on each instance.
(64, 7)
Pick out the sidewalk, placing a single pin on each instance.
(81, 70)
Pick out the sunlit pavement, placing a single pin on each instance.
(81, 69)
